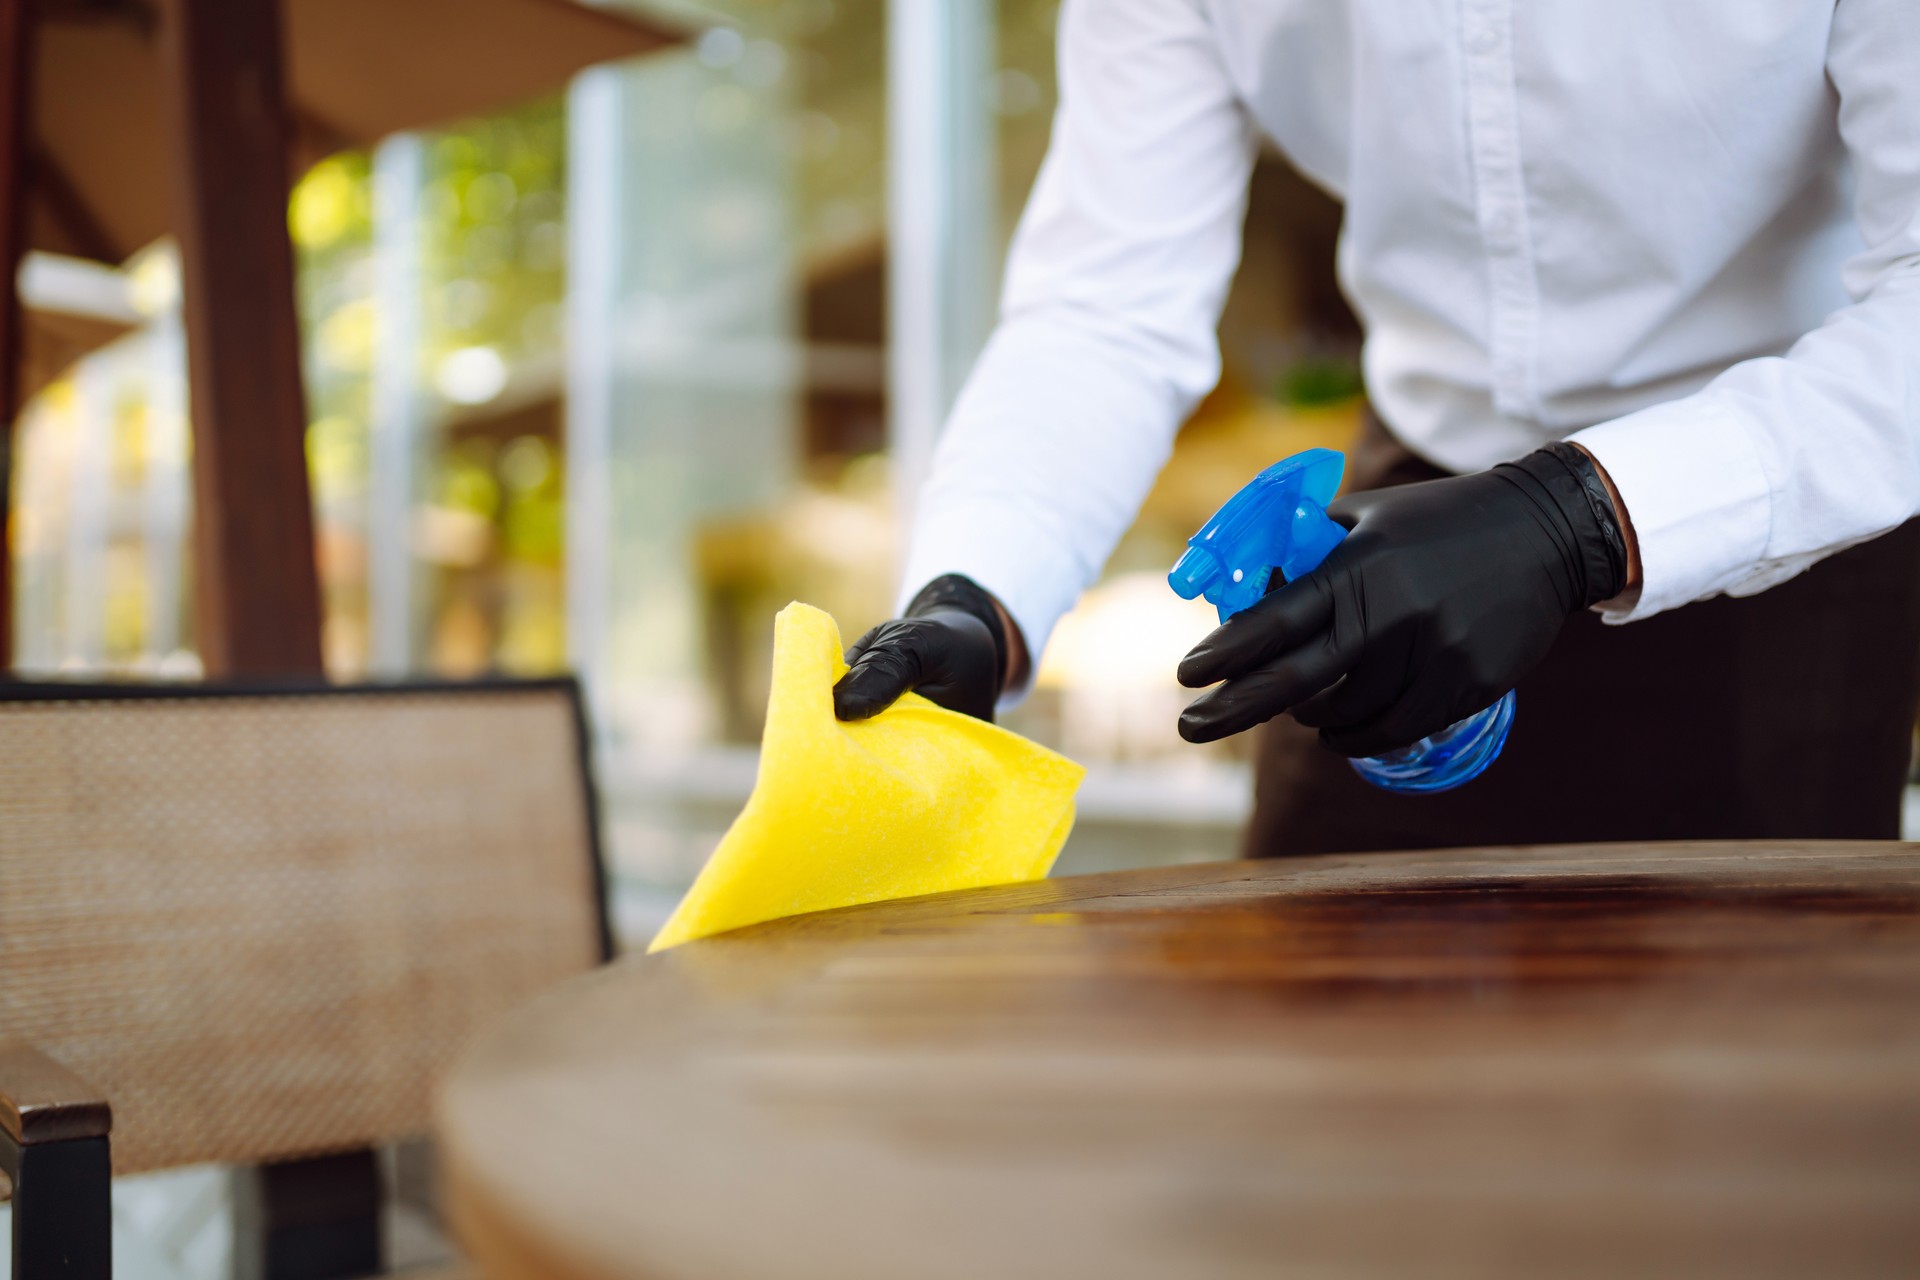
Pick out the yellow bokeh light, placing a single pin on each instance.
(324, 205)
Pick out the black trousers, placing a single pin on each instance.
(1788, 714)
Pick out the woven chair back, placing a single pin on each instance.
(263, 923)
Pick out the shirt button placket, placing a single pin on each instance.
(1500, 203)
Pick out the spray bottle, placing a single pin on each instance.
(1279, 524)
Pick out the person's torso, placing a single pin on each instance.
(1558, 211)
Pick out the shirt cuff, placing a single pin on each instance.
(1697, 494)
(996, 549)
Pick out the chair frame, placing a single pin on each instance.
(55, 1127)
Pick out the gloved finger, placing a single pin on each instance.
(1366, 692)
(1262, 694)
(1408, 720)
(864, 643)
(875, 681)
(1350, 509)
(1282, 620)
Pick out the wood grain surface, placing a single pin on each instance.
(1603, 1061)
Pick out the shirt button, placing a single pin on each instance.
(1485, 39)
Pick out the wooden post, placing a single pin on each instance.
(16, 99)
(256, 584)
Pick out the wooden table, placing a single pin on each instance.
(1680, 1060)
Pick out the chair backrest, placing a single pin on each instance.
(262, 922)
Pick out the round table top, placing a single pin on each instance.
(1579, 1061)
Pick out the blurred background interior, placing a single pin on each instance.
(601, 382)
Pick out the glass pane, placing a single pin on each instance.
(493, 273)
(331, 217)
(727, 417)
(101, 499)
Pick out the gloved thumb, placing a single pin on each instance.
(879, 675)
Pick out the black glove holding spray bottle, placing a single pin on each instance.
(1442, 596)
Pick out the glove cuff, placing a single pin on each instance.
(957, 591)
(1597, 557)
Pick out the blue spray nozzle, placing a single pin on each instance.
(1277, 521)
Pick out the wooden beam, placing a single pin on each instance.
(61, 201)
(16, 97)
(256, 584)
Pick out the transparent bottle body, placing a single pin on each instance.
(1442, 761)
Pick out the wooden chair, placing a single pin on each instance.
(254, 925)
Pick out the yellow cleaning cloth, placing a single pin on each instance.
(917, 800)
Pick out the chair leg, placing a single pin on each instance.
(62, 1215)
(313, 1219)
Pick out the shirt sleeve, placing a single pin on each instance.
(1106, 337)
(1781, 461)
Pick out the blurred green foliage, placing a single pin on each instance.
(492, 260)
(1318, 381)
(494, 236)
(331, 218)
(533, 526)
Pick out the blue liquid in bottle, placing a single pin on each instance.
(1279, 522)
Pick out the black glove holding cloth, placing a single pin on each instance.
(1441, 597)
(950, 648)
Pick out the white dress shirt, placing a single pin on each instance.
(1684, 234)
